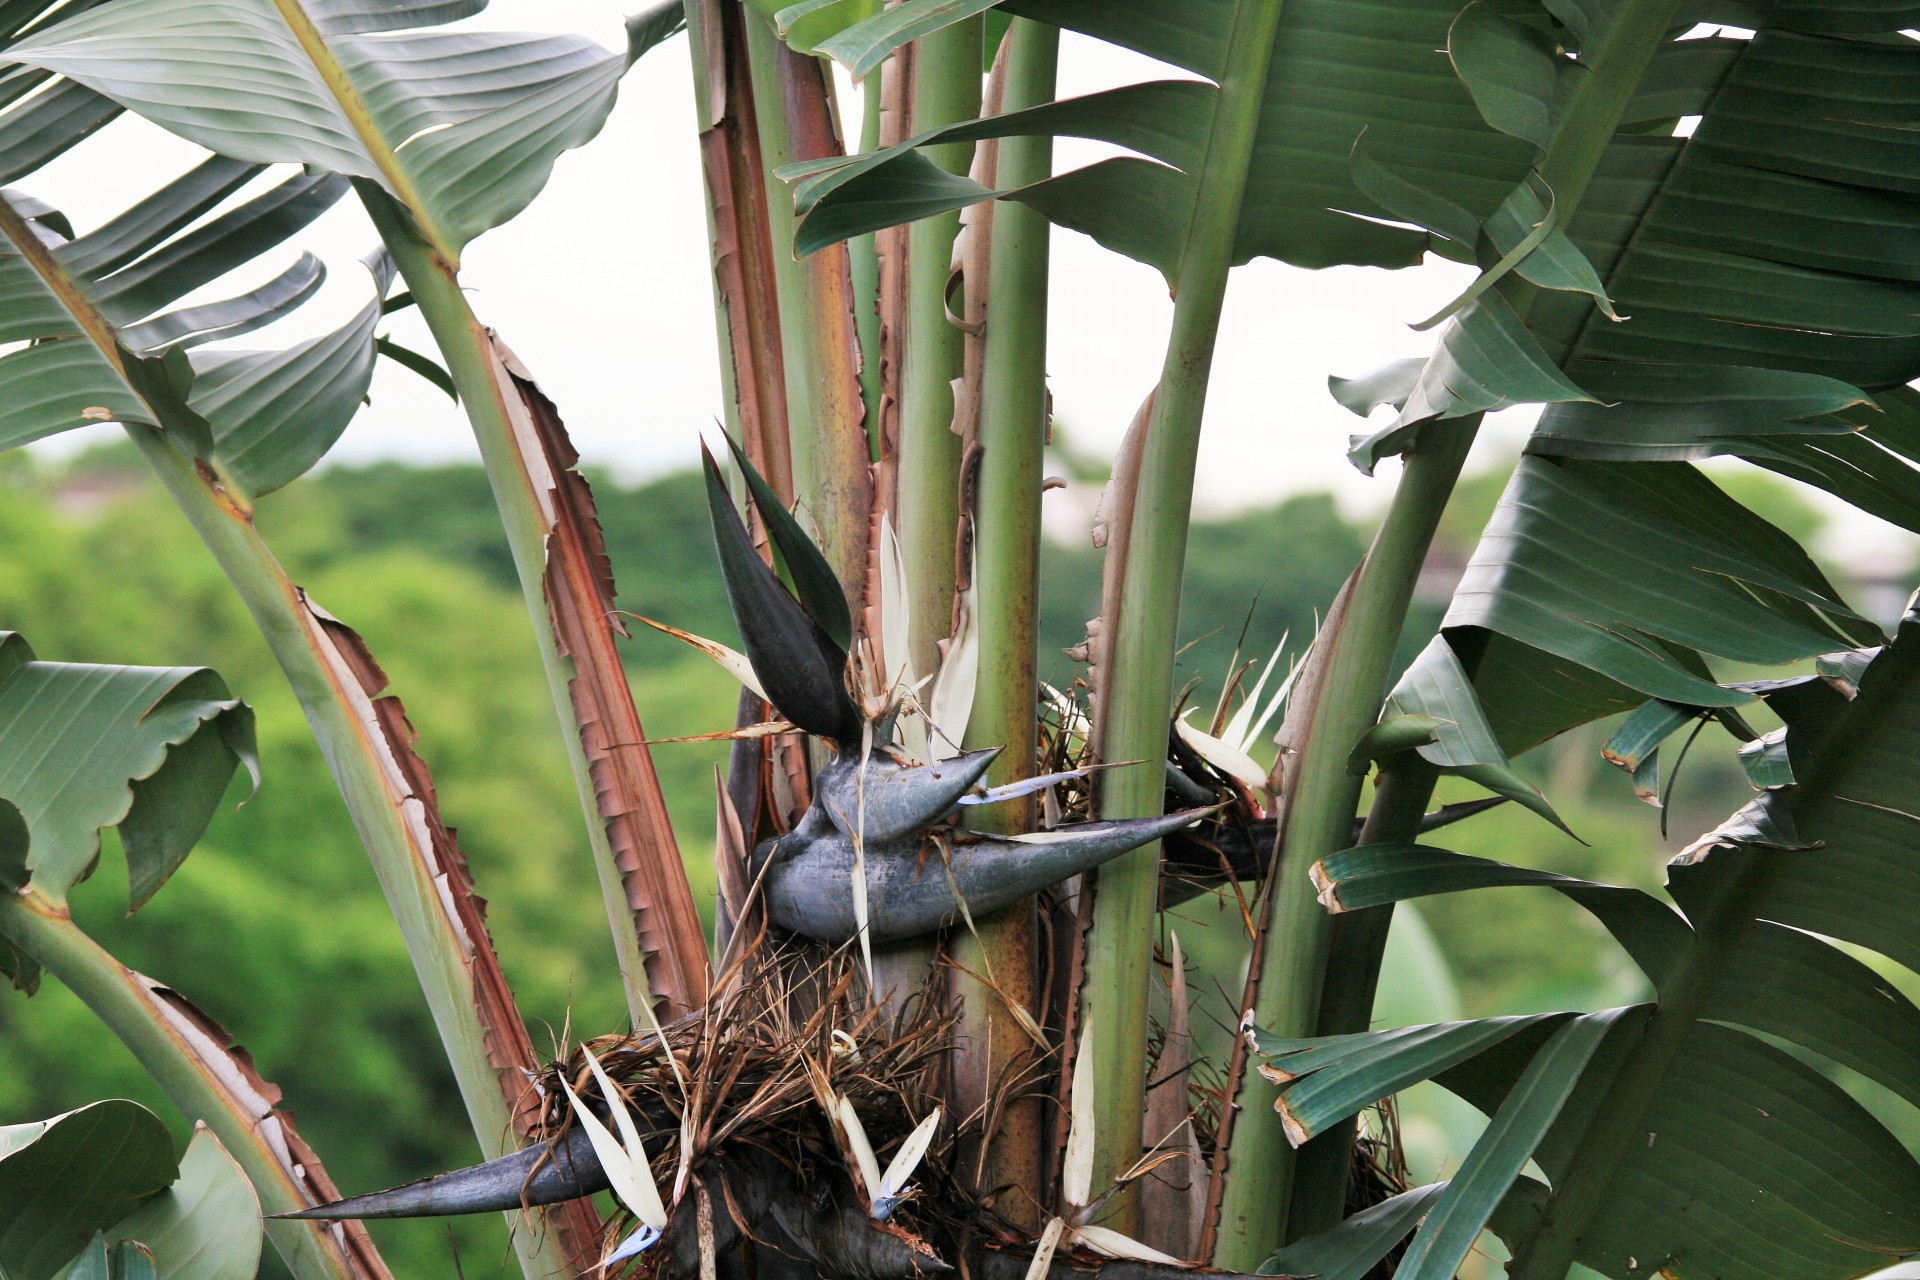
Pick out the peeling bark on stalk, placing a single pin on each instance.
(369, 750)
(369, 745)
(741, 238)
(578, 584)
(821, 345)
(549, 522)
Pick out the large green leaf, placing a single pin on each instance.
(1755, 1166)
(1436, 687)
(267, 415)
(1351, 1250)
(206, 1226)
(1329, 1078)
(1377, 874)
(147, 749)
(1856, 808)
(462, 128)
(64, 1179)
(1779, 239)
(1630, 571)
(1487, 1174)
(1339, 69)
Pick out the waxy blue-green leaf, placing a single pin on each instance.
(206, 1225)
(461, 128)
(1514, 1133)
(65, 1179)
(276, 413)
(1677, 413)
(127, 1260)
(1339, 67)
(1353, 1249)
(652, 26)
(1377, 874)
(267, 415)
(1584, 560)
(864, 45)
(1390, 384)
(149, 750)
(805, 24)
(1328, 1079)
(1435, 687)
(1809, 992)
(1637, 737)
(1766, 760)
(1754, 1165)
(1410, 202)
(1512, 70)
(1487, 359)
(1525, 221)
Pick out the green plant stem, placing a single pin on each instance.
(463, 343)
(439, 953)
(45, 931)
(1356, 948)
(1255, 1201)
(820, 348)
(863, 272)
(1006, 584)
(1138, 682)
(926, 512)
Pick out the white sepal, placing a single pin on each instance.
(1043, 1251)
(626, 1165)
(951, 702)
(893, 1183)
(856, 1134)
(1114, 1245)
(1076, 1169)
(1223, 756)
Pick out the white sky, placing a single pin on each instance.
(602, 289)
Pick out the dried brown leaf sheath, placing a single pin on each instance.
(579, 590)
(231, 1067)
(411, 792)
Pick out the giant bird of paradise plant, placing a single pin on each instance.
(940, 880)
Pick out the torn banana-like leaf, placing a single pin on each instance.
(1076, 1169)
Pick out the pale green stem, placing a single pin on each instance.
(439, 956)
(863, 270)
(1356, 948)
(926, 512)
(463, 344)
(44, 931)
(1254, 1202)
(819, 345)
(1006, 584)
(1134, 702)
